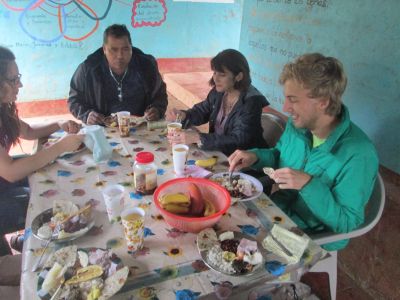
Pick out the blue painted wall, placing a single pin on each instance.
(51, 39)
(363, 34)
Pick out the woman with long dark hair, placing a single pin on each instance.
(14, 191)
(232, 108)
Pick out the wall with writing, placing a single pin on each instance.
(50, 38)
(363, 34)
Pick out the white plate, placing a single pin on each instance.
(45, 216)
(255, 182)
(112, 284)
(237, 236)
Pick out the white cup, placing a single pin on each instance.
(123, 113)
(179, 157)
(114, 201)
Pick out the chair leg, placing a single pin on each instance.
(329, 265)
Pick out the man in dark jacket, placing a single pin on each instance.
(117, 77)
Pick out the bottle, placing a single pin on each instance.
(145, 173)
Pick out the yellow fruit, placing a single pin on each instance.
(178, 198)
(209, 208)
(85, 274)
(206, 163)
(176, 209)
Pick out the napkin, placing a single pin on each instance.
(96, 141)
(294, 243)
(196, 171)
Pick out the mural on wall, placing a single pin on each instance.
(48, 21)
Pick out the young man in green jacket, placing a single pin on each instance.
(325, 166)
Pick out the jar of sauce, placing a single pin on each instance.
(145, 173)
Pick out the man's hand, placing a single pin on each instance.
(69, 126)
(288, 178)
(95, 118)
(241, 159)
(152, 114)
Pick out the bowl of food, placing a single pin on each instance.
(191, 204)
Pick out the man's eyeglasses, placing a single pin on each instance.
(14, 81)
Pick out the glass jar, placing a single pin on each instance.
(145, 173)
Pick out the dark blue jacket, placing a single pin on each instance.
(92, 87)
(242, 128)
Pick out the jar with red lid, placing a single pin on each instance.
(145, 173)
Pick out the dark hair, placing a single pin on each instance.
(235, 62)
(9, 121)
(118, 31)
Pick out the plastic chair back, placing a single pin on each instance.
(373, 213)
(273, 127)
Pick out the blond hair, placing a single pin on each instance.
(323, 76)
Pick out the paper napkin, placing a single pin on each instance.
(294, 243)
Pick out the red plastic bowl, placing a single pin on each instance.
(209, 190)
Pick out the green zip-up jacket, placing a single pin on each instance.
(343, 170)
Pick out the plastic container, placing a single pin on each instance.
(145, 173)
(210, 190)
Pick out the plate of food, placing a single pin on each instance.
(81, 273)
(243, 187)
(230, 252)
(73, 221)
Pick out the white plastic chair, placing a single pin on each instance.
(373, 213)
(273, 126)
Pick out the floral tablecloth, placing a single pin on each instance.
(169, 266)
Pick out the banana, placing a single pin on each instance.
(206, 163)
(176, 209)
(178, 198)
(175, 203)
(209, 208)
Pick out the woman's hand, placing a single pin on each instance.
(241, 159)
(186, 137)
(288, 178)
(174, 115)
(69, 126)
(69, 142)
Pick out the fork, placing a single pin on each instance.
(230, 177)
(54, 236)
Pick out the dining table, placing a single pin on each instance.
(169, 265)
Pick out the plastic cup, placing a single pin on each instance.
(179, 157)
(133, 222)
(114, 201)
(124, 123)
(174, 127)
